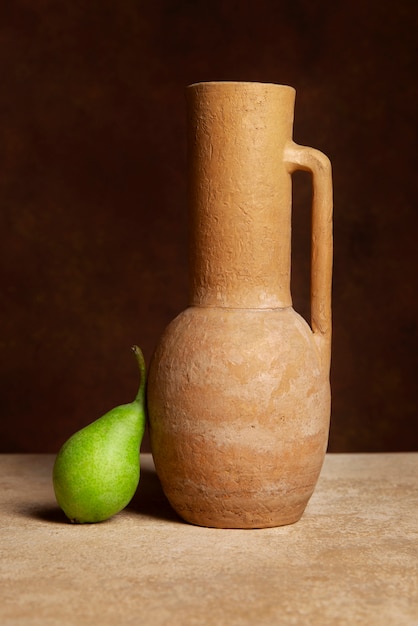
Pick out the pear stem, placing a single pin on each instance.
(140, 396)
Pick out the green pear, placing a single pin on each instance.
(96, 472)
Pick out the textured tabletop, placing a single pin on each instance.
(351, 559)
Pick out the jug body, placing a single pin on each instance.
(239, 408)
(238, 387)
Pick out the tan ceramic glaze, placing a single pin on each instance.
(238, 388)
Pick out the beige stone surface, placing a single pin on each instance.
(351, 559)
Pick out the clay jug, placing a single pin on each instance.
(238, 388)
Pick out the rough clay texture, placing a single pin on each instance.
(239, 375)
(240, 415)
(350, 561)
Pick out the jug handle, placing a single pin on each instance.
(298, 157)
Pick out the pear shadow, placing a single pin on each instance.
(150, 499)
(47, 513)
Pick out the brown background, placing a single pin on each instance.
(93, 195)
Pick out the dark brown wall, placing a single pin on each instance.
(93, 195)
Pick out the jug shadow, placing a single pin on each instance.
(149, 501)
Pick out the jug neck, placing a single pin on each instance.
(239, 194)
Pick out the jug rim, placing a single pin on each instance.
(249, 83)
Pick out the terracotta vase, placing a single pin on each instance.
(238, 387)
